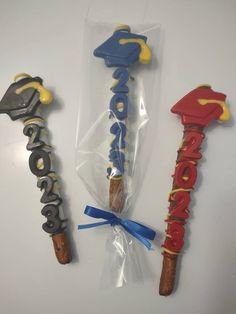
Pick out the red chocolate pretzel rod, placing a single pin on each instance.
(197, 109)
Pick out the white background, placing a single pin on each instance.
(44, 38)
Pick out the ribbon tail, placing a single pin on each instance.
(96, 224)
(98, 213)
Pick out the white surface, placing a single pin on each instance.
(44, 38)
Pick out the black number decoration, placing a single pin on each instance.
(33, 132)
(41, 157)
(40, 166)
(46, 183)
(54, 223)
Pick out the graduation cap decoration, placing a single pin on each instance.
(124, 48)
(201, 106)
(23, 97)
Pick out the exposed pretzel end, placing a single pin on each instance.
(61, 247)
(116, 194)
(167, 280)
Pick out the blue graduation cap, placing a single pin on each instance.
(124, 48)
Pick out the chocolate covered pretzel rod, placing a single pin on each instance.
(197, 109)
(121, 50)
(22, 101)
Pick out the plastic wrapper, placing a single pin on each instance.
(117, 99)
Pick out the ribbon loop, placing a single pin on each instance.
(137, 230)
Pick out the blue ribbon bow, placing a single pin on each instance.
(137, 230)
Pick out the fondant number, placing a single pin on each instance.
(119, 106)
(192, 141)
(42, 157)
(119, 130)
(122, 77)
(117, 158)
(47, 184)
(174, 241)
(53, 224)
(185, 175)
(33, 132)
(181, 201)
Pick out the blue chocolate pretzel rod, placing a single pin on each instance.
(121, 50)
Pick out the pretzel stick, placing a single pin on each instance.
(197, 109)
(116, 194)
